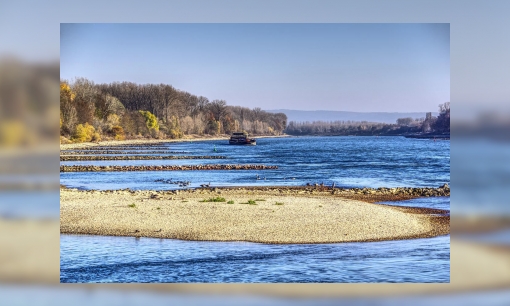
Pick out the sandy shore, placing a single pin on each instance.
(297, 218)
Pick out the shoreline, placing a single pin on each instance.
(148, 142)
(272, 217)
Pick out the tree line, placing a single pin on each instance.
(119, 110)
(403, 126)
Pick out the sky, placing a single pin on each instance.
(401, 67)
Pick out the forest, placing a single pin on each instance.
(126, 110)
(403, 126)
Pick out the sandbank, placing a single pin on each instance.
(274, 217)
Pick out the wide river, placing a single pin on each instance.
(345, 161)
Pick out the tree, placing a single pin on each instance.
(85, 132)
(67, 110)
(442, 124)
(404, 121)
(106, 105)
(150, 120)
(86, 95)
(187, 125)
(174, 128)
(218, 108)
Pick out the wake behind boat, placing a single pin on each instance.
(241, 138)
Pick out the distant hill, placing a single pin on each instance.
(323, 115)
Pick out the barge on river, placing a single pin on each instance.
(241, 138)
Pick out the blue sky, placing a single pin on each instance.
(350, 67)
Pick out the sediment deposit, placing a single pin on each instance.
(253, 215)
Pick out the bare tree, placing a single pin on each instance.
(218, 108)
(85, 98)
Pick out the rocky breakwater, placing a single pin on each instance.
(119, 151)
(163, 168)
(137, 157)
(124, 147)
(442, 191)
(371, 195)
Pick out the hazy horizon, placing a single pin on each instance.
(344, 67)
(331, 116)
(330, 110)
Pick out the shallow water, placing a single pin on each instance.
(125, 259)
(433, 202)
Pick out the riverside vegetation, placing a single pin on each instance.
(91, 112)
(429, 125)
(118, 111)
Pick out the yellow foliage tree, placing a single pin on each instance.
(65, 92)
(85, 132)
(150, 120)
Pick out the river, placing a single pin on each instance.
(344, 161)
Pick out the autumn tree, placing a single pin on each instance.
(68, 114)
(85, 98)
(151, 121)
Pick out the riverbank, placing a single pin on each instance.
(148, 142)
(255, 216)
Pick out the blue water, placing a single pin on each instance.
(434, 202)
(346, 161)
(126, 259)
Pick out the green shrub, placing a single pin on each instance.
(259, 200)
(230, 202)
(278, 203)
(132, 205)
(251, 202)
(217, 199)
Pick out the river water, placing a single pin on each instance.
(345, 161)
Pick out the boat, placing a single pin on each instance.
(241, 138)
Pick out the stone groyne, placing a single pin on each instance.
(117, 151)
(135, 157)
(76, 168)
